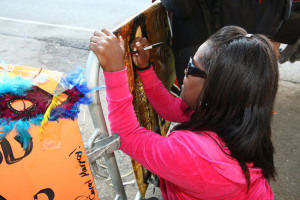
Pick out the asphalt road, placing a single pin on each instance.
(68, 22)
(55, 35)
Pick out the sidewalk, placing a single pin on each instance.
(286, 121)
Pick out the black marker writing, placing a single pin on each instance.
(8, 152)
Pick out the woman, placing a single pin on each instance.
(222, 148)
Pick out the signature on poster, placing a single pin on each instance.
(83, 173)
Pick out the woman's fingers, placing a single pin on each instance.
(99, 34)
(107, 32)
(98, 42)
(109, 50)
(103, 33)
(95, 39)
(144, 42)
(132, 45)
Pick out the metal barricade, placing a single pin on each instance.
(100, 143)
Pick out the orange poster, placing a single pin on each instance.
(42, 156)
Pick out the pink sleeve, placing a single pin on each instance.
(156, 153)
(164, 103)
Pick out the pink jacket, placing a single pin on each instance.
(191, 164)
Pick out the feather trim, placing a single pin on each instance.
(14, 85)
(11, 86)
(56, 101)
(22, 127)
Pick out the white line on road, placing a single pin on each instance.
(47, 24)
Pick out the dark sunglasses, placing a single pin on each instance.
(194, 71)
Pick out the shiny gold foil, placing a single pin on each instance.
(151, 23)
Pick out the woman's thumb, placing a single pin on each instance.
(140, 48)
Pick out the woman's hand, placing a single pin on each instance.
(109, 50)
(141, 58)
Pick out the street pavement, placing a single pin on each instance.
(62, 45)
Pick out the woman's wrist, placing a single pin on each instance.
(143, 68)
(114, 67)
(116, 84)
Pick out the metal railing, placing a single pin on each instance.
(100, 143)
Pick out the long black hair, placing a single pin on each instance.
(238, 96)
